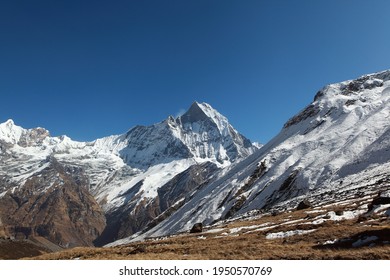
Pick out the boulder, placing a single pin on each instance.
(304, 204)
(339, 212)
(197, 228)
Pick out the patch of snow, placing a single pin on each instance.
(315, 211)
(286, 234)
(292, 222)
(330, 242)
(331, 216)
(3, 194)
(215, 230)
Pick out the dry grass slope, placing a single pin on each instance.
(326, 232)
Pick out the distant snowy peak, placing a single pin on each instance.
(209, 134)
(201, 133)
(13, 134)
(201, 112)
(202, 117)
(9, 132)
(194, 114)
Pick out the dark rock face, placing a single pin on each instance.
(182, 185)
(197, 228)
(362, 83)
(65, 213)
(33, 137)
(380, 200)
(194, 114)
(309, 111)
(240, 201)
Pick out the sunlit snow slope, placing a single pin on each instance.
(338, 144)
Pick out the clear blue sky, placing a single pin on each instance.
(89, 69)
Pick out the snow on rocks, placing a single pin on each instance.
(215, 230)
(285, 234)
(330, 242)
(332, 216)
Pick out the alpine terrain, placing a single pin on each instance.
(335, 150)
(61, 192)
(174, 189)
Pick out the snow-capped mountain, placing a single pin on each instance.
(162, 179)
(121, 176)
(338, 146)
(201, 133)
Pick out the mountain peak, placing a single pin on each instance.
(14, 134)
(204, 112)
(9, 132)
(194, 114)
(9, 122)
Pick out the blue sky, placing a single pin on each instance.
(89, 69)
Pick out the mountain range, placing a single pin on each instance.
(162, 179)
(84, 193)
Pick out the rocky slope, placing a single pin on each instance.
(65, 213)
(80, 193)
